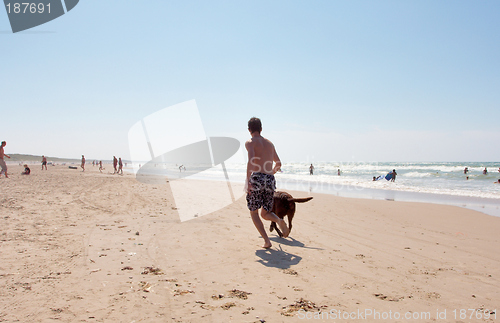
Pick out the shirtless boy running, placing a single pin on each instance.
(260, 180)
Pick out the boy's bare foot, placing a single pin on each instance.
(267, 245)
(284, 228)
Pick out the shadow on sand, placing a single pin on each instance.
(277, 258)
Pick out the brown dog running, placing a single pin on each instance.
(284, 204)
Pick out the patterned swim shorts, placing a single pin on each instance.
(261, 191)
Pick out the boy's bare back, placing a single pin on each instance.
(261, 155)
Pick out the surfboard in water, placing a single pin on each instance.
(388, 176)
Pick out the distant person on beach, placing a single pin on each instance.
(338, 172)
(120, 166)
(27, 170)
(466, 170)
(497, 182)
(115, 163)
(44, 162)
(260, 181)
(180, 168)
(311, 169)
(100, 166)
(485, 171)
(2, 162)
(393, 179)
(83, 163)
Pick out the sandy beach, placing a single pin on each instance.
(92, 247)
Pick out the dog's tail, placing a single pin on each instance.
(302, 200)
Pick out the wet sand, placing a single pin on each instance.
(95, 247)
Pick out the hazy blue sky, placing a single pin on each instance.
(331, 80)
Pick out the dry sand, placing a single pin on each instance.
(91, 247)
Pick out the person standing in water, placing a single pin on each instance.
(393, 179)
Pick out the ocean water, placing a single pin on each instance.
(435, 178)
(437, 182)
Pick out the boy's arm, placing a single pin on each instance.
(277, 161)
(251, 155)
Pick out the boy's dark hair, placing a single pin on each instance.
(3, 142)
(254, 124)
